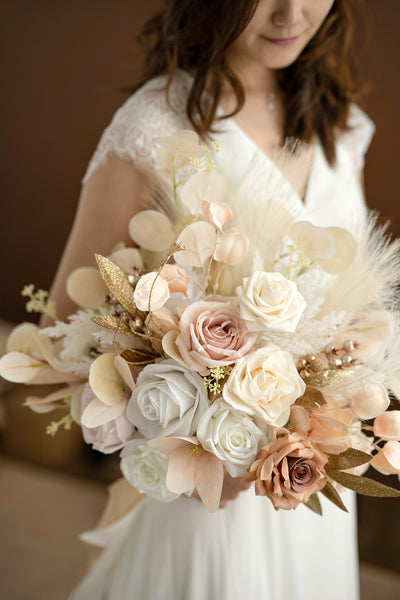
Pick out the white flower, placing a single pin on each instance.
(231, 435)
(270, 301)
(146, 468)
(264, 384)
(151, 291)
(168, 400)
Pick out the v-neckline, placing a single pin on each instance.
(305, 201)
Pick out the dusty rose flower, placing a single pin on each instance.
(288, 470)
(110, 436)
(212, 334)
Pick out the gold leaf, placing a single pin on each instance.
(113, 323)
(314, 504)
(311, 399)
(330, 376)
(363, 485)
(348, 459)
(138, 358)
(329, 492)
(117, 282)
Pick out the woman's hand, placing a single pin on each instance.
(230, 491)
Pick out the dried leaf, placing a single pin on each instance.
(311, 399)
(113, 323)
(314, 504)
(329, 492)
(348, 459)
(138, 358)
(363, 485)
(117, 282)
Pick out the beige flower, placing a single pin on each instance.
(288, 470)
(264, 384)
(270, 301)
(387, 459)
(155, 284)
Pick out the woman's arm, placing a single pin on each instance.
(110, 197)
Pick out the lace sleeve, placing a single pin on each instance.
(145, 115)
(358, 138)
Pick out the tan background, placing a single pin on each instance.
(62, 63)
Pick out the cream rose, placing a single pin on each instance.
(146, 469)
(270, 301)
(168, 400)
(231, 436)
(264, 384)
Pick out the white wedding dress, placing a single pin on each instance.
(178, 551)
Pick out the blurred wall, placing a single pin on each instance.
(62, 63)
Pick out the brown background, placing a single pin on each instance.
(62, 63)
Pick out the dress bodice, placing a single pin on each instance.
(333, 196)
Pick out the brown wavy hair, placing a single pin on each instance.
(195, 35)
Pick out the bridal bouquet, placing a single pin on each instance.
(227, 340)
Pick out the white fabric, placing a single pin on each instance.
(178, 551)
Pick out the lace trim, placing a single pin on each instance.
(145, 115)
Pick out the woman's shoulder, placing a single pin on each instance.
(147, 114)
(357, 138)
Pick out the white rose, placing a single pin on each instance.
(270, 301)
(264, 384)
(231, 435)
(146, 469)
(168, 400)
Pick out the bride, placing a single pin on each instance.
(248, 74)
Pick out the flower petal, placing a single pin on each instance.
(86, 287)
(105, 381)
(127, 259)
(216, 213)
(151, 230)
(345, 251)
(198, 240)
(97, 413)
(208, 479)
(124, 370)
(170, 348)
(181, 468)
(231, 248)
(204, 185)
(23, 339)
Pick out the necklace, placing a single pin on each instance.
(271, 101)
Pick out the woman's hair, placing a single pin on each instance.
(195, 35)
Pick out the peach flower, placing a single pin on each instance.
(288, 470)
(387, 426)
(212, 334)
(387, 459)
(330, 427)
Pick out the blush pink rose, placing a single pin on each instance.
(288, 470)
(111, 436)
(212, 334)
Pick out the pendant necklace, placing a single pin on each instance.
(271, 101)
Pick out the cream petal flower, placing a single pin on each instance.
(177, 150)
(387, 426)
(345, 251)
(231, 248)
(127, 259)
(154, 284)
(86, 287)
(198, 240)
(151, 230)
(203, 186)
(216, 213)
(105, 380)
(23, 338)
(315, 242)
(176, 277)
(387, 459)
(369, 401)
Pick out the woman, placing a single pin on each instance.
(249, 74)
